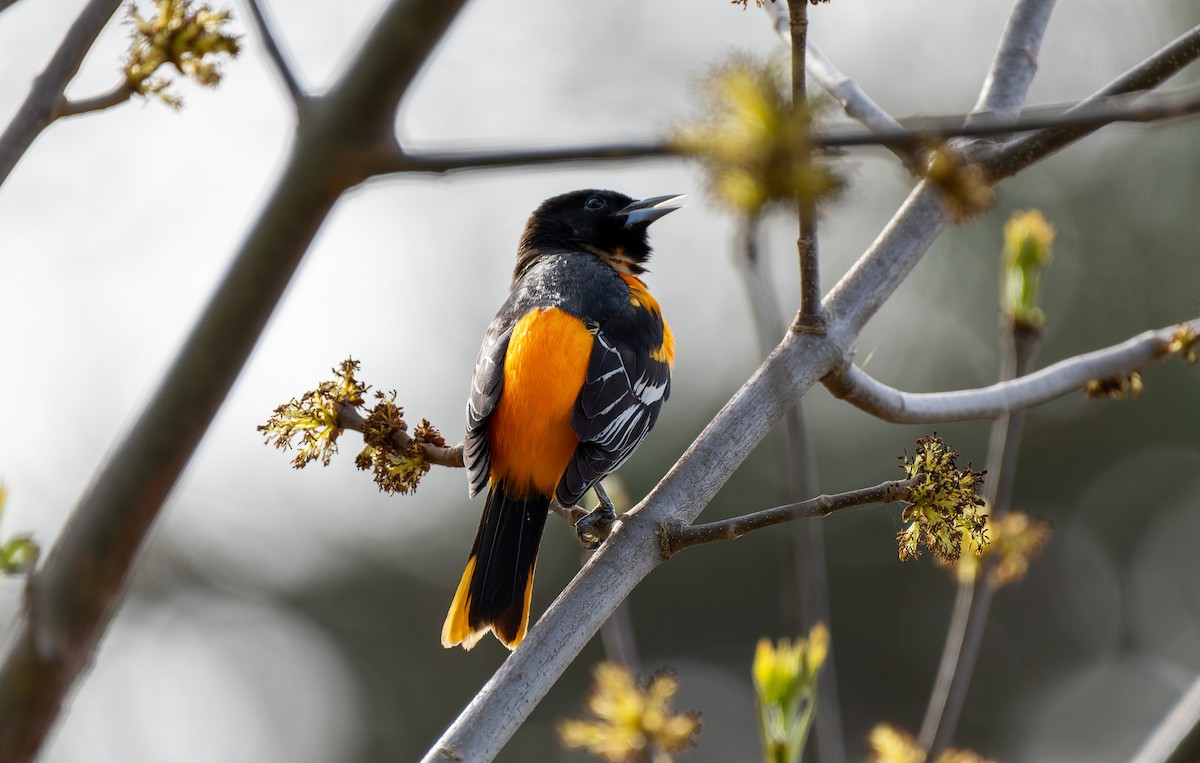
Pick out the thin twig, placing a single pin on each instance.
(69, 108)
(446, 161)
(35, 113)
(856, 387)
(811, 318)
(676, 537)
(279, 61)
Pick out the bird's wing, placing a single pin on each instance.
(486, 386)
(622, 393)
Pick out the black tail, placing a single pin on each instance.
(494, 591)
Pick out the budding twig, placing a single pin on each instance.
(677, 537)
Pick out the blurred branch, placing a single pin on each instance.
(75, 593)
(69, 108)
(856, 387)
(37, 110)
(441, 162)
(973, 602)
(677, 536)
(275, 54)
(1177, 737)
(6, 4)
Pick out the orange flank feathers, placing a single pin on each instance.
(530, 431)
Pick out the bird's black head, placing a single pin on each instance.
(608, 224)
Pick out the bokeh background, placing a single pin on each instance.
(294, 616)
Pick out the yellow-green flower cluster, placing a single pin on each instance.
(892, 745)
(189, 36)
(944, 506)
(312, 421)
(630, 723)
(963, 184)
(785, 683)
(1028, 250)
(754, 146)
(1016, 538)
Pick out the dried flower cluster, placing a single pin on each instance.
(944, 506)
(396, 459)
(963, 184)
(191, 37)
(630, 723)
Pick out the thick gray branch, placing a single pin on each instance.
(856, 387)
(1177, 738)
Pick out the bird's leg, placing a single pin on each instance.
(594, 528)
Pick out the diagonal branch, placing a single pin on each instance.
(37, 111)
(856, 387)
(118, 95)
(1177, 737)
(279, 61)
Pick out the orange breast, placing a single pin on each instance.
(530, 431)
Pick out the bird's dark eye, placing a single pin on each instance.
(595, 202)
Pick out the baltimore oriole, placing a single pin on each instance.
(571, 376)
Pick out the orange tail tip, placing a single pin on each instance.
(495, 589)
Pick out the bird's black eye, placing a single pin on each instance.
(595, 202)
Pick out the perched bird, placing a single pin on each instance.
(571, 376)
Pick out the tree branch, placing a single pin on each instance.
(74, 595)
(278, 60)
(678, 536)
(69, 108)
(36, 112)
(810, 317)
(443, 162)
(856, 387)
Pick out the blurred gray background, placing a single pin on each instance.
(294, 616)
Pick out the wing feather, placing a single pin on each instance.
(621, 397)
(486, 386)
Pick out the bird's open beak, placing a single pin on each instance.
(649, 210)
